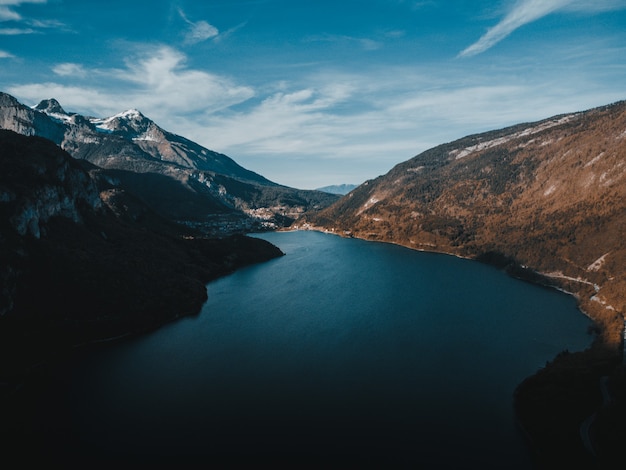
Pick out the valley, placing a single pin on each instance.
(173, 176)
(121, 214)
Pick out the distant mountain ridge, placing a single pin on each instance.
(131, 150)
(342, 189)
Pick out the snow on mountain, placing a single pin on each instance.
(164, 169)
(50, 106)
(109, 122)
(53, 109)
(535, 129)
(131, 124)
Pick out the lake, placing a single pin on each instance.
(342, 351)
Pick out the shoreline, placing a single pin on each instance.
(552, 404)
(513, 269)
(32, 345)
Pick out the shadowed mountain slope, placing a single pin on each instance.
(83, 262)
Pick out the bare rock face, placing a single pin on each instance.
(51, 106)
(23, 120)
(41, 183)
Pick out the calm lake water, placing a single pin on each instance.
(342, 350)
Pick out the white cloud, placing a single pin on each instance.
(327, 124)
(15, 3)
(527, 11)
(201, 31)
(198, 31)
(20, 24)
(304, 132)
(156, 81)
(69, 69)
(366, 123)
(164, 80)
(45, 24)
(5, 55)
(72, 98)
(524, 11)
(365, 43)
(284, 122)
(7, 13)
(15, 31)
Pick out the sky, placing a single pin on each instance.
(320, 92)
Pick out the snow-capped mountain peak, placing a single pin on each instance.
(127, 139)
(50, 106)
(53, 109)
(131, 123)
(132, 113)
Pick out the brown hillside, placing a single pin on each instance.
(549, 196)
(545, 201)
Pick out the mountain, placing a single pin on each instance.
(81, 262)
(548, 195)
(112, 142)
(547, 202)
(342, 189)
(175, 177)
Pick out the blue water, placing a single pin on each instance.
(341, 351)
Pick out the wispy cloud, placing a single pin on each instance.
(16, 31)
(5, 55)
(528, 11)
(366, 123)
(7, 9)
(365, 43)
(69, 69)
(156, 80)
(164, 79)
(523, 12)
(198, 31)
(225, 34)
(6, 14)
(18, 25)
(361, 124)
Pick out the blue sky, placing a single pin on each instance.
(313, 93)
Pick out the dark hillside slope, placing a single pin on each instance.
(82, 263)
